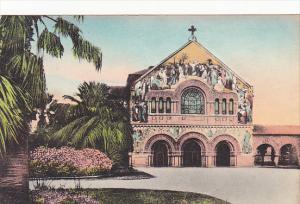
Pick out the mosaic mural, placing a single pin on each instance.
(243, 135)
(169, 75)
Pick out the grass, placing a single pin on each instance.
(133, 196)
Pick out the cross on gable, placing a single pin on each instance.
(192, 29)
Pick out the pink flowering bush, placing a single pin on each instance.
(67, 161)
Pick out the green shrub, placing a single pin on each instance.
(93, 171)
(40, 169)
(51, 169)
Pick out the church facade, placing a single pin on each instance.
(193, 110)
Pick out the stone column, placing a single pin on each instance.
(176, 159)
(130, 158)
(170, 162)
(210, 160)
(276, 159)
(208, 109)
(149, 107)
(235, 108)
(175, 107)
(232, 159)
(203, 160)
(227, 107)
(181, 159)
(212, 108)
(150, 160)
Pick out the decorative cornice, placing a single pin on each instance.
(193, 126)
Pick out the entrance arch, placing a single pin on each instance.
(226, 147)
(223, 153)
(265, 155)
(288, 155)
(191, 153)
(191, 144)
(160, 153)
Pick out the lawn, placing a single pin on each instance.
(120, 196)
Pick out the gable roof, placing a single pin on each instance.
(141, 72)
(196, 52)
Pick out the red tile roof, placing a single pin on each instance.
(276, 130)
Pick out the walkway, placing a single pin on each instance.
(236, 185)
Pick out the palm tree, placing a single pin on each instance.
(23, 42)
(22, 77)
(94, 120)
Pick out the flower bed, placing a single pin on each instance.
(66, 161)
(62, 197)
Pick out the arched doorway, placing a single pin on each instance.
(288, 155)
(265, 155)
(223, 154)
(191, 153)
(160, 154)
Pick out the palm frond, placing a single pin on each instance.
(81, 134)
(66, 133)
(28, 70)
(67, 29)
(83, 49)
(71, 98)
(15, 31)
(50, 43)
(94, 137)
(12, 105)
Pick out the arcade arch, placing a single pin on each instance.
(288, 155)
(265, 155)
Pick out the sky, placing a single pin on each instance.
(263, 49)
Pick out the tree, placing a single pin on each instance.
(95, 119)
(23, 42)
(22, 76)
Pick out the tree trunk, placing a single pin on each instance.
(14, 185)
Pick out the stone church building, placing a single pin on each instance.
(193, 110)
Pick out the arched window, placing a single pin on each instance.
(192, 101)
(224, 108)
(168, 105)
(217, 104)
(153, 105)
(231, 106)
(161, 105)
